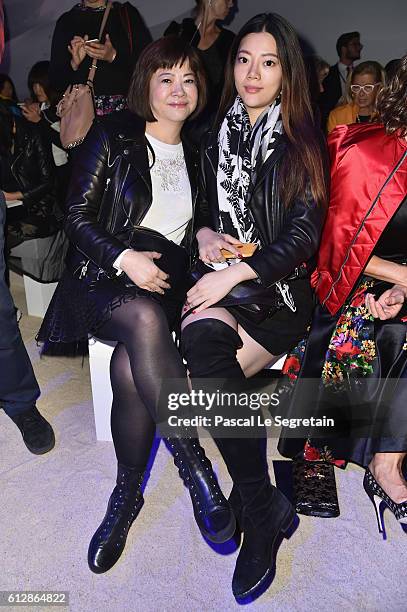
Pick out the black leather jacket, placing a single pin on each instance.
(111, 190)
(291, 235)
(33, 170)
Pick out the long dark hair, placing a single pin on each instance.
(4, 78)
(392, 101)
(39, 74)
(304, 159)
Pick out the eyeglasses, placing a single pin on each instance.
(367, 89)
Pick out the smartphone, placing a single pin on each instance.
(92, 40)
(246, 250)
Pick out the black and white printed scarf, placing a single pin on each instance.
(242, 151)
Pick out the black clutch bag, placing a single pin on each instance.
(253, 299)
(314, 488)
(174, 261)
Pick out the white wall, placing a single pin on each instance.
(383, 25)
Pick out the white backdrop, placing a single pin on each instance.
(383, 26)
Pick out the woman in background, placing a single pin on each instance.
(26, 174)
(362, 88)
(41, 110)
(8, 94)
(124, 38)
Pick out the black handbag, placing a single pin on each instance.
(174, 261)
(254, 300)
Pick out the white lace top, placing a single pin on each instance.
(171, 209)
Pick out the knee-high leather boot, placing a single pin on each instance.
(125, 502)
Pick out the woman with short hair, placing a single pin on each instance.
(129, 219)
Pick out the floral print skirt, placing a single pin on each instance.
(353, 368)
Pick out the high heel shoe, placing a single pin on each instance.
(109, 540)
(379, 497)
(212, 511)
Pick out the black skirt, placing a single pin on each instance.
(78, 310)
(284, 329)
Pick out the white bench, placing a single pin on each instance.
(100, 353)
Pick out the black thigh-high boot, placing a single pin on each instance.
(264, 513)
(126, 501)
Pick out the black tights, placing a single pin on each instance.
(145, 355)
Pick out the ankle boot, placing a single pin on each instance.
(266, 516)
(212, 511)
(125, 503)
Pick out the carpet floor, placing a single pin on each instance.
(53, 503)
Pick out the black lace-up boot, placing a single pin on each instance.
(212, 511)
(124, 504)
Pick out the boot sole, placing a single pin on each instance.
(42, 450)
(222, 536)
(286, 523)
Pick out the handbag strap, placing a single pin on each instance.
(92, 69)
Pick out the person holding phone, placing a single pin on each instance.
(263, 183)
(75, 45)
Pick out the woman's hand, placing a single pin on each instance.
(213, 286)
(14, 195)
(210, 243)
(31, 111)
(104, 52)
(141, 269)
(78, 50)
(388, 305)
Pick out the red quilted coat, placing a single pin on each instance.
(368, 183)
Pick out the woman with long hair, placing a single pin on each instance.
(8, 94)
(129, 219)
(356, 351)
(359, 104)
(262, 183)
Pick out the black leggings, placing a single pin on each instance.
(145, 355)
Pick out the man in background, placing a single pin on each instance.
(348, 47)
